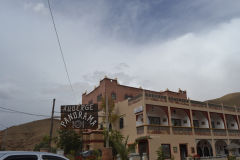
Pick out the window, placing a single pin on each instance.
(114, 97)
(154, 120)
(176, 122)
(48, 157)
(213, 124)
(196, 123)
(164, 120)
(166, 150)
(121, 122)
(128, 96)
(99, 97)
(22, 157)
(90, 102)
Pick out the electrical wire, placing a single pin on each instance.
(31, 114)
(60, 48)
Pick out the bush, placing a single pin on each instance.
(160, 154)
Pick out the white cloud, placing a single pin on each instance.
(36, 7)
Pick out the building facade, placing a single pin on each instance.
(182, 127)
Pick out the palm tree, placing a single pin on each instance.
(112, 117)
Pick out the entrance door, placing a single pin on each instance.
(143, 147)
(183, 151)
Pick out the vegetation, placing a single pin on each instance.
(112, 116)
(119, 144)
(116, 140)
(43, 144)
(160, 154)
(231, 157)
(69, 141)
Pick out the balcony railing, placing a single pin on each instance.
(219, 132)
(156, 129)
(179, 130)
(198, 103)
(135, 99)
(156, 97)
(140, 130)
(215, 106)
(139, 123)
(178, 100)
(182, 130)
(229, 108)
(202, 131)
(233, 132)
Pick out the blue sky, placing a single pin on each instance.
(156, 44)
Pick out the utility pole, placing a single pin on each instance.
(51, 128)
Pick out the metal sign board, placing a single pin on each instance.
(79, 116)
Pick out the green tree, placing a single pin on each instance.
(69, 141)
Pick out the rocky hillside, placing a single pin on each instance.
(229, 99)
(25, 136)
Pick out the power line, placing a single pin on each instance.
(60, 48)
(31, 114)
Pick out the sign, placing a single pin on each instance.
(79, 116)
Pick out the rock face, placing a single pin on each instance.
(26, 136)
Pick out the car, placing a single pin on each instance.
(29, 155)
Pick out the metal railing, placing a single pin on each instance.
(202, 131)
(182, 130)
(219, 132)
(156, 129)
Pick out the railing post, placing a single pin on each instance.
(170, 120)
(192, 125)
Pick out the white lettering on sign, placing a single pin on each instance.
(83, 107)
(78, 115)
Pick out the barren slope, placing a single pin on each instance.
(25, 136)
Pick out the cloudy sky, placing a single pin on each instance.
(157, 44)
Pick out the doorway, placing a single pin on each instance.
(183, 151)
(143, 147)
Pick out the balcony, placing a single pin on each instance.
(140, 130)
(198, 104)
(215, 106)
(135, 99)
(182, 130)
(219, 132)
(233, 132)
(202, 131)
(158, 129)
(155, 97)
(178, 100)
(229, 108)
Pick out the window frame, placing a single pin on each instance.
(164, 150)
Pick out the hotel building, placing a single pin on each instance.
(182, 127)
